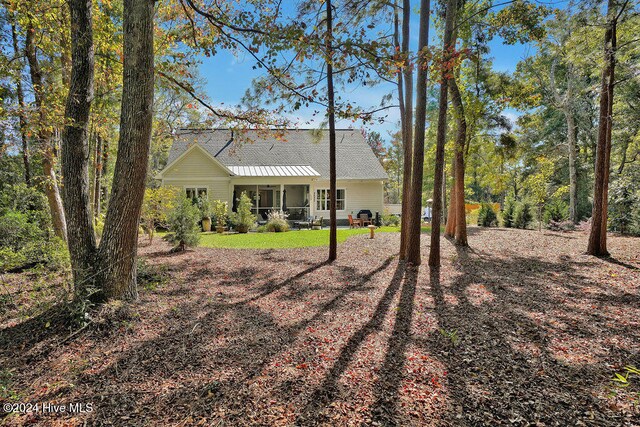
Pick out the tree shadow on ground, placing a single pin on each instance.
(235, 339)
(529, 350)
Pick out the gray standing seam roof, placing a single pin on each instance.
(298, 147)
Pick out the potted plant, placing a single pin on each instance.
(220, 211)
(243, 219)
(205, 213)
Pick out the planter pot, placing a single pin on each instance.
(219, 229)
(242, 228)
(206, 224)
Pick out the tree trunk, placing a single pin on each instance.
(461, 139)
(447, 46)
(450, 224)
(333, 243)
(75, 148)
(117, 252)
(598, 238)
(22, 121)
(573, 175)
(45, 139)
(104, 196)
(417, 168)
(97, 184)
(407, 124)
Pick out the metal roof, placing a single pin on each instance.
(303, 170)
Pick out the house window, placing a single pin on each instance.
(323, 199)
(194, 193)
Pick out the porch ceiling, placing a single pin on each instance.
(303, 170)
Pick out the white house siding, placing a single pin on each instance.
(360, 194)
(197, 170)
(195, 164)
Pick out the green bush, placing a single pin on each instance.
(16, 231)
(204, 205)
(220, 210)
(390, 220)
(28, 201)
(522, 216)
(243, 220)
(624, 213)
(183, 224)
(261, 229)
(487, 216)
(277, 221)
(556, 210)
(508, 213)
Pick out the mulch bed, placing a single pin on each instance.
(522, 329)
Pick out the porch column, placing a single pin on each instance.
(258, 201)
(281, 194)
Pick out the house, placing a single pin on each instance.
(288, 171)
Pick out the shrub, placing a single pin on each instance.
(204, 205)
(16, 231)
(261, 229)
(508, 212)
(391, 220)
(487, 216)
(156, 206)
(243, 219)
(556, 210)
(220, 210)
(522, 216)
(277, 221)
(624, 215)
(183, 224)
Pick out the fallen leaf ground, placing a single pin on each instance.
(521, 329)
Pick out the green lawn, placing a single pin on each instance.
(290, 239)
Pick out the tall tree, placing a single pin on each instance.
(405, 87)
(333, 237)
(447, 50)
(75, 146)
(45, 138)
(22, 121)
(598, 235)
(415, 199)
(110, 267)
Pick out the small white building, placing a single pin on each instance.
(277, 170)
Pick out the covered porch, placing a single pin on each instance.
(290, 198)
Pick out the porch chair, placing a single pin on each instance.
(317, 222)
(364, 219)
(353, 223)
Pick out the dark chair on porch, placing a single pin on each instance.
(304, 224)
(364, 219)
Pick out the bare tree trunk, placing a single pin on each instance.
(573, 174)
(75, 148)
(22, 121)
(598, 238)
(104, 196)
(461, 139)
(45, 139)
(450, 225)
(333, 243)
(447, 46)
(97, 184)
(407, 124)
(415, 205)
(117, 253)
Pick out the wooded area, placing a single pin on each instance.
(94, 91)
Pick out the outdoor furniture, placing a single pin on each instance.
(317, 222)
(364, 219)
(304, 224)
(353, 223)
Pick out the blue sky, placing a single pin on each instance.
(228, 76)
